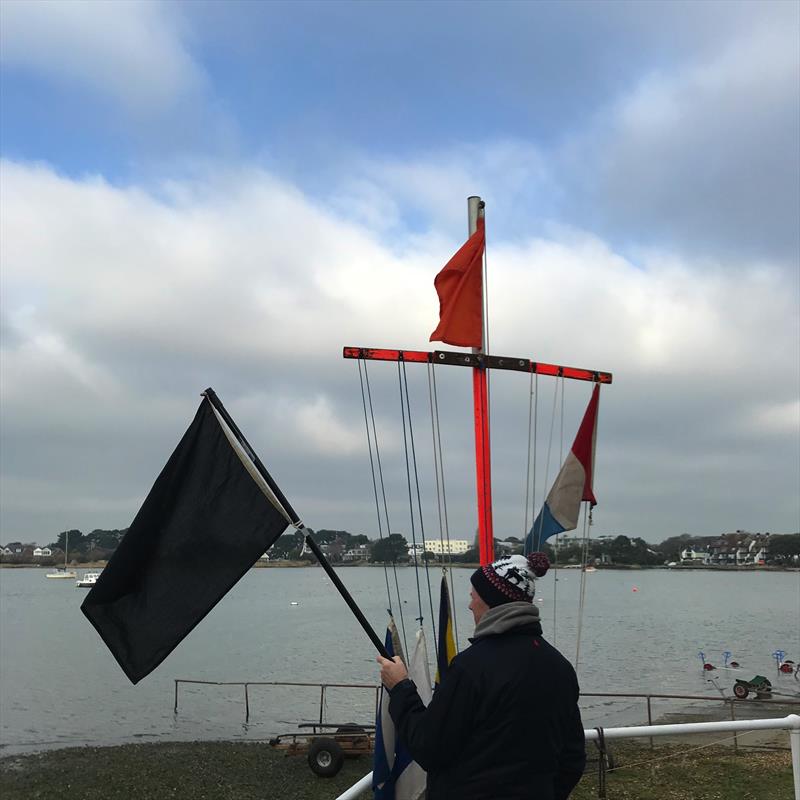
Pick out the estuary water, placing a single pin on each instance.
(641, 632)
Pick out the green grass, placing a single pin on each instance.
(226, 770)
(682, 772)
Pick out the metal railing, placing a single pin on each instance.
(323, 687)
(733, 702)
(789, 723)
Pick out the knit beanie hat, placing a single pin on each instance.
(510, 579)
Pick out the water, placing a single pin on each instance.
(59, 686)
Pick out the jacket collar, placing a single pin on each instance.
(508, 617)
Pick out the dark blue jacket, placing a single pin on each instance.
(504, 724)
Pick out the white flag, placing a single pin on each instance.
(411, 783)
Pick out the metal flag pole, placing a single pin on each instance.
(480, 401)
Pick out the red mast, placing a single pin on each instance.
(462, 310)
(480, 403)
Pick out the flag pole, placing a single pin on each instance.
(326, 565)
(480, 401)
(211, 395)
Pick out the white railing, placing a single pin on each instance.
(790, 723)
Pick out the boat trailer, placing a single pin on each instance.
(326, 746)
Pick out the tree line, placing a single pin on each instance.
(99, 544)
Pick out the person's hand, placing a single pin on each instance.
(392, 672)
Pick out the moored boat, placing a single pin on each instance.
(87, 580)
(63, 572)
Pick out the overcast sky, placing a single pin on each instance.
(226, 194)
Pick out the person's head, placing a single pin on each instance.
(508, 580)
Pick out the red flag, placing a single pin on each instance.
(460, 289)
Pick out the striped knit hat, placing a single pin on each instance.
(510, 579)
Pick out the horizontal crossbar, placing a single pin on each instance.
(477, 360)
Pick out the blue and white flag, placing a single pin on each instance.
(395, 776)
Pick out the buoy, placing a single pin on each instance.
(635, 589)
(735, 664)
(708, 667)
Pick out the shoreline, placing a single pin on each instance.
(95, 565)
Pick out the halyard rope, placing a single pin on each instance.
(383, 493)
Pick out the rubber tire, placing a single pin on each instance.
(325, 757)
(740, 691)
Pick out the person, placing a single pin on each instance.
(504, 723)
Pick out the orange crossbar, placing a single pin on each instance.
(461, 359)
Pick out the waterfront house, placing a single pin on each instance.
(359, 553)
(691, 555)
(42, 552)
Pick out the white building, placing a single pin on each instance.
(454, 547)
(692, 556)
(40, 552)
(359, 553)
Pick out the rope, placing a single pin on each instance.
(583, 589)
(385, 505)
(535, 442)
(408, 482)
(525, 528)
(374, 482)
(716, 742)
(419, 509)
(438, 445)
(557, 545)
(549, 453)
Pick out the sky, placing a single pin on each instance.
(227, 194)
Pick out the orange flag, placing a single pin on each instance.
(459, 286)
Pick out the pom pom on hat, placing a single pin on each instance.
(539, 563)
(510, 579)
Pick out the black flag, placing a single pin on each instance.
(210, 515)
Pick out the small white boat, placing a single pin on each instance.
(62, 573)
(88, 579)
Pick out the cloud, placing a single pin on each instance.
(703, 156)
(131, 52)
(140, 297)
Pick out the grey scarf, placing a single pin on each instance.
(506, 617)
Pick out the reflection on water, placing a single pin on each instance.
(61, 687)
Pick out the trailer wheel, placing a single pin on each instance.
(325, 757)
(741, 691)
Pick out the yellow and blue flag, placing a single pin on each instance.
(446, 650)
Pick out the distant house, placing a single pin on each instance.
(19, 549)
(333, 550)
(358, 553)
(691, 556)
(740, 549)
(42, 552)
